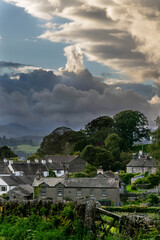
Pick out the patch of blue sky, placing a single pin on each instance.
(19, 43)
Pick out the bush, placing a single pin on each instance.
(153, 179)
(133, 187)
(153, 199)
(126, 177)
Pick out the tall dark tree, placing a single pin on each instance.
(98, 156)
(131, 126)
(6, 152)
(154, 148)
(55, 143)
(99, 123)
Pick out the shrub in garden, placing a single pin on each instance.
(153, 179)
(153, 199)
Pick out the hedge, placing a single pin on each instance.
(132, 209)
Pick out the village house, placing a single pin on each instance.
(142, 163)
(62, 163)
(27, 168)
(65, 188)
(20, 193)
(7, 183)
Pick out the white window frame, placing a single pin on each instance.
(43, 191)
(60, 191)
(91, 192)
(104, 193)
(79, 192)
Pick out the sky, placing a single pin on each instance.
(64, 63)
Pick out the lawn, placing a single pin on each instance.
(27, 148)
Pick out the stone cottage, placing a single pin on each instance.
(59, 189)
(142, 163)
(61, 163)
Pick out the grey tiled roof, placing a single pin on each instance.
(4, 168)
(79, 182)
(15, 181)
(29, 168)
(109, 174)
(142, 162)
(55, 166)
(60, 158)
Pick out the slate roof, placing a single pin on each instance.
(109, 174)
(79, 182)
(55, 166)
(29, 168)
(4, 168)
(15, 181)
(142, 162)
(61, 158)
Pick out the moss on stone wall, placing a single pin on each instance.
(36, 192)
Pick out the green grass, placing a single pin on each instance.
(128, 189)
(27, 148)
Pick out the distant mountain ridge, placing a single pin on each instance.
(16, 130)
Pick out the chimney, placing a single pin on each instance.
(28, 161)
(147, 157)
(10, 161)
(38, 174)
(100, 170)
(36, 160)
(43, 161)
(66, 176)
(50, 160)
(140, 154)
(116, 176)
(134, 156)
(5, 160)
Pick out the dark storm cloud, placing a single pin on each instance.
(43, 98)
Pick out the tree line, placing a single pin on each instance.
(105, 141)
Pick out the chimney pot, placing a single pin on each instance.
(43, 161)
(100, 170)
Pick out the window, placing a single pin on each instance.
(43, 191)
(58, 171)
(133, 170)
(3, 188)
(79, 192)
(91, 192)
(60, 191)
(104, 193)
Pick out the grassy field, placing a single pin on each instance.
(27, 148)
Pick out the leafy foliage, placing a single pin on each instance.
(154, 148)
(6, 152)
(99, 123)
(132, 126)
(55, 143)
(97, 156)
(126, 177)
(153, 199)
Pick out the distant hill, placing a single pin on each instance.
(14, 130)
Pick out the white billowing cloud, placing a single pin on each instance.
(74, 59)
(155, 100)
(122, 34)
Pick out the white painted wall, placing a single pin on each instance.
(59, 173)
(4, 184)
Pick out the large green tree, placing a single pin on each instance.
(131, 126)
(6, 152)
(99, 123)
(60, 141)
(98, 156)
(154, 148)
